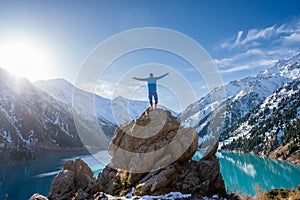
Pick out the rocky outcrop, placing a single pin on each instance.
(153, 155)
(171, 169)
(75, 180)
(279, 194)
(289, 152)
(198, 178)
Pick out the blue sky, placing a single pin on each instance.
(242, 36)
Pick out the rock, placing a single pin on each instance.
(38, 197)
(83, 175)
(155, 180)
(100, 196)
(171, 169)
(62, 186)
(280, 194)
(203, 178)
(81, 195)
(154, 141)
(79, 167)
(152, 155)
(76, 178)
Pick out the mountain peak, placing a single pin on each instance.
(289, 68)
(57, 82)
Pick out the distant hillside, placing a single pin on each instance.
(261, 113)
(271, 128)
(33, 123)
(38, 118)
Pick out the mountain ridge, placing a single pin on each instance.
(242, 97)
(34, 123)
(47, 105)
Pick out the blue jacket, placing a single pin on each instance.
(151, 81)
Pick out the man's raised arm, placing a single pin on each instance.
(159, 77)
(140, 79)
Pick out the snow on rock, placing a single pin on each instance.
(279, 135)
(171, 195)
(298, 112)
(6, 136)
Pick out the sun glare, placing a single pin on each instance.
(25, 59)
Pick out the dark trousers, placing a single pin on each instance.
(151, 95)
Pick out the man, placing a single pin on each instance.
(151, 87)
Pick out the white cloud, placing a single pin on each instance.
(238, 57)
(266, 62)
(259, 48)
(236, 69)
(255, 34)
(223, 62)
(292, 39)
(253, 52)
(238, 38)
(287, 33)
(105, 89)
(112, 90)
(249, 65)
(251, 38)
(251, 59)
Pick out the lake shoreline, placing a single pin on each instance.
(295, 160)
(240, 172)
(43, 154)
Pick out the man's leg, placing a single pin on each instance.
(155, 98)
(150, 98)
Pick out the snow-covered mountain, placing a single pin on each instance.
(271, 128)
(32, 122)
(39, 117)
(243, 98)
(116, 111)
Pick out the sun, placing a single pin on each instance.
(25, 58)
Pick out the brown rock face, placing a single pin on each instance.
(154, 141)
(198, 178)
(153, 155)
(76, 176)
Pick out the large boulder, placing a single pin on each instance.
(76, 179)
(153, 141)
(201, 178)
(153, 156)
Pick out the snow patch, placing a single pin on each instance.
(56, 120)
(279, 135)
(6, 136)
(298, 112)
(171, 195)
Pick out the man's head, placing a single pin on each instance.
(151, 75)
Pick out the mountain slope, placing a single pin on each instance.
(243, 101)
(32, 122)
(271, 128)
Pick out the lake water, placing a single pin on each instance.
(241, 172)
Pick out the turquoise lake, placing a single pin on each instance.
(241, 172)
